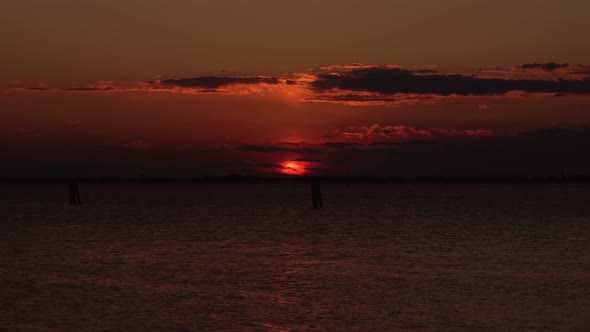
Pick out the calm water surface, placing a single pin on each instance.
(255, 257)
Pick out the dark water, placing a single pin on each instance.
(255, 257)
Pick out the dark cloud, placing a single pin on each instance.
(84, 88)
(384, 144)
(423, 71)
(358, 98)
(39, 88)
(553, 71)
(545, 152)
(75, 89)
(271, 166)
(211, 150)
(214, 82)
(275, 148)
(265, 148)
(550, 66)
(385, 80)
(341, 144)
(401, 133)
(416, 143)
(306, 160)
(359, 84)
(88, 89)
(329, 147)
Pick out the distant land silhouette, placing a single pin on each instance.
(300, 179)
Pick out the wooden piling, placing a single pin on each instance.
(316, 194)
(74, 193)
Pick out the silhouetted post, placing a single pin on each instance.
(316, 194)
(74, 193)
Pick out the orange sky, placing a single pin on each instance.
(80, 41)
(214, 88)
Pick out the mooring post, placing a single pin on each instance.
(74, 193)
(316, 194)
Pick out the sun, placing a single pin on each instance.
(293, 167)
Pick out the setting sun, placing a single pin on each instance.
(293, 167)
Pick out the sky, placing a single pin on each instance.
(276, 88)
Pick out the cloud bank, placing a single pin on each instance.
(214, 82)
(389, 81)
(360, 84)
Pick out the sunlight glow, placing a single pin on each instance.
(293, 167)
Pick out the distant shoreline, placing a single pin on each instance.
(302, 179)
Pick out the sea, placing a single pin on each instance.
(257, 257)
